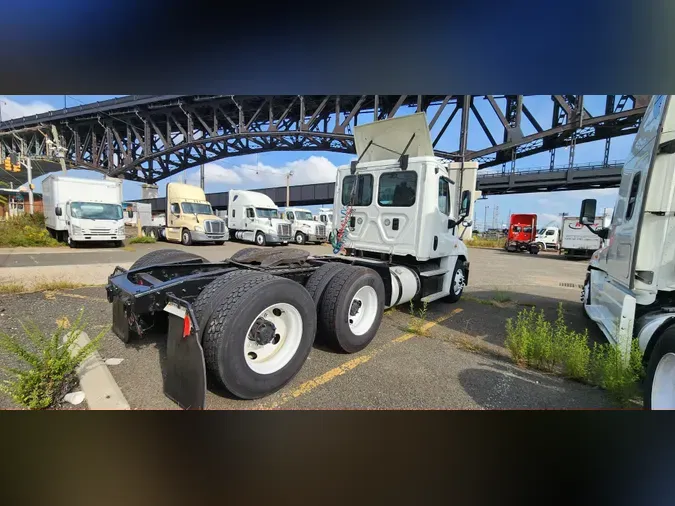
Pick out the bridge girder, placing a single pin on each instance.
(150, 138)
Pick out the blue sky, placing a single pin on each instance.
(268, 169)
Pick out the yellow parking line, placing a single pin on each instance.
(324, 378)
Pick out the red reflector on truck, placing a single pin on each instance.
(187, 326)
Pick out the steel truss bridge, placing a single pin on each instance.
(152, 137)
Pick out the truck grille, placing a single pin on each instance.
(284, 230)
(214, 227)
(321, 230)
(99, 231)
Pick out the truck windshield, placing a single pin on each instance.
(541, 231)
(266, 213)
(303, 215)
(96, 211)
(196, 208)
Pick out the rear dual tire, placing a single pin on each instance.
(258, 334)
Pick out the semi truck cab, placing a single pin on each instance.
(303, 226)
(253, 217)
(190, 218)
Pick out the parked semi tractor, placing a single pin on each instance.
(630, 284)
(303, 227)
(326, 217)
(548, 238)
(249, 321)
(79, 210)
(522, 232)
(189, 218)
(254, 217)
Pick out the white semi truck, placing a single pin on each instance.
(630, 284)
(303, 227)
(254, 217)
(79, 210)
(326, 217)
(249, 321)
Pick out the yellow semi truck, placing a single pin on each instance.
(189, 217)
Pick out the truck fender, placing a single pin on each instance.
(649, 329)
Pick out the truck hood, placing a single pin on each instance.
(206, 217)
(310, 223)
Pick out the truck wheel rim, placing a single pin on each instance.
(459, 282)
(285, 323)
(663, 386)
(362, 310)
(185, 237)
(259, 239)
(298, 239)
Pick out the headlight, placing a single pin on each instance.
(77, 230)
(121, 231)
(199, 228)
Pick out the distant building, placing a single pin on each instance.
(14, 202)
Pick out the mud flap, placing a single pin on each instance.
(185, 377)
(121, 326)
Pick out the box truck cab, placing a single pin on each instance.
(629, 289)
(190, 218)
(303, 227)
(79, 210)
(548, 238)
(253, 217)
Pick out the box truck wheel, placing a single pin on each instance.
(300, 238)
(351, 308)
(186, 237)
(260, 239)
(259, 336)
(659, 388)
(164, 256)
(70, 242)
(218, 243)
(458, 282)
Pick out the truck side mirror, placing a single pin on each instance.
(130, 213)
(451, 223)
(587, 213)
(465, 205)
(58, 211)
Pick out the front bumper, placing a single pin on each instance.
(317, 238)
(276, 238)
(204, 237)
(87, 237)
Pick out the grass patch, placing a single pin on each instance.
(535, 342)
(49, 363)
(418, 318)
(27, 230)
(500, 300)
(11, 288)
(481, 242)
(142, 240)
(501, 297)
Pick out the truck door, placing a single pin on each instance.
(249, 218)
(625, 227)
(443, 243)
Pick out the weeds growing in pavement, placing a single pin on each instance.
(535, 342)
(25, 230)
(49, 364)
(480, 242)
(418, 318)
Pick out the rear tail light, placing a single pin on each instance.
(187, 326)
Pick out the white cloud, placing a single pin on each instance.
(315, 169)
(214, 173)
(12, 109)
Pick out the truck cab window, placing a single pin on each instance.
(550, 232)
(527, 230)
(632, 197)
(323, 218)
(249, 213)
(516, 228)
(363, 194)
(290, 215)
(444, 196)
(397, 189)
(175, 208)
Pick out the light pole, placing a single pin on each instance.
(485, 218)
(288, 188)
(1, 104)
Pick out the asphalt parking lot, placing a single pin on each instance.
(460, 364)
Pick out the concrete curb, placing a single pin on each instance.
(100, 388)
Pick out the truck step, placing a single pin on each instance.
(433, 297)
(435, 272)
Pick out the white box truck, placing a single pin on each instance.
(577, 240)
(254, 217)
(303, 227)
(81, 210)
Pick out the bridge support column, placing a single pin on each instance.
(465, 179)
(149, 191)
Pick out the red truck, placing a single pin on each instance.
(522, 231)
